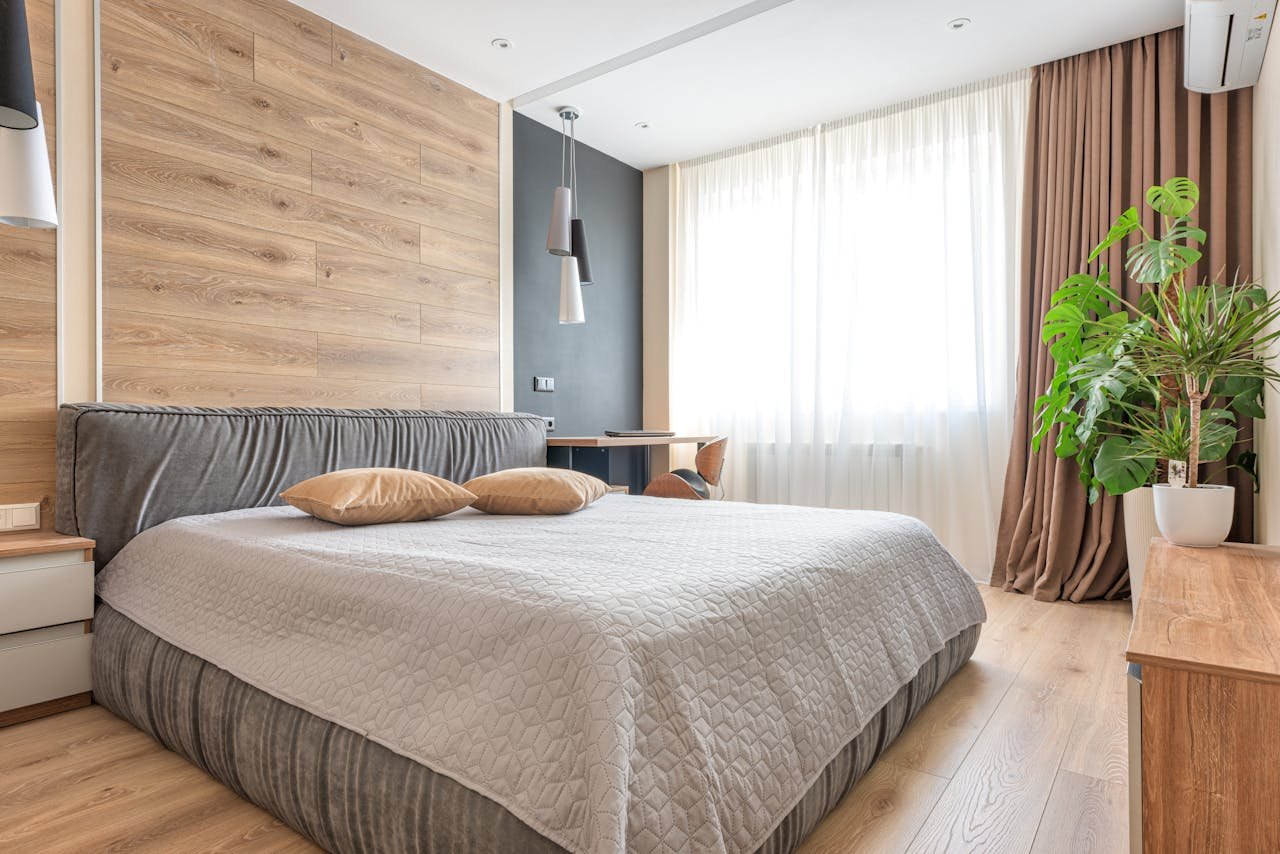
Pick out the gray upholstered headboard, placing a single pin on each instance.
(124, 468)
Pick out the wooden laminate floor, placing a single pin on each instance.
(1023, 751)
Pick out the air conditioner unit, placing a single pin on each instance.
(1224, 42)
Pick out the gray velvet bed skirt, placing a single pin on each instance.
(352, 795)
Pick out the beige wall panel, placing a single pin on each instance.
(263, 233)
(352, 183)
(131, 228)
(452, 328)
(164, 386)
(386, 69)
(136, 65)
(156, 287)
(364, 273)
(450, 251)
(40, 32)
(447, 173)
(28, 331)
(26, 450)
(185, 30)
(458, 397)
(28, 268)
(26, 389)
(290, 26)
(182, 343)
(451, 131)
(165, 129)
(364, 358)
(144, 176)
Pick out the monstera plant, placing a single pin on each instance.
(1163, 377)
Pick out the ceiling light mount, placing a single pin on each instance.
(959, 23)
(568, 114)
(643, 125)
(500, 43)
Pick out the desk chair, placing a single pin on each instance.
(695, 485)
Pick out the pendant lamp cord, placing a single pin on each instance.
(563, 141)
(573, 167)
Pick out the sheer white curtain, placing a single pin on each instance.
(844, 310)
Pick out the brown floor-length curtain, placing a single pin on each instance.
(1103, 126)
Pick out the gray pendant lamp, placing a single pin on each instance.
(17, 82)
(559, 241)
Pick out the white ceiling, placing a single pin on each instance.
(800, 63)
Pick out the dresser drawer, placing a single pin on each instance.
(44, 664)
(35, 596)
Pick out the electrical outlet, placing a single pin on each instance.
(19, 517)
(550, 421)
(544, 383)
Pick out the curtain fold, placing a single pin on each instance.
(845, 307)
(1103, 127)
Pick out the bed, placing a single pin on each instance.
(644, 675)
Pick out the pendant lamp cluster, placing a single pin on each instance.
(567, 235)
(26, 184)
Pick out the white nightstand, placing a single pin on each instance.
(46, 624)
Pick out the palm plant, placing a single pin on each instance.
(1165, 377)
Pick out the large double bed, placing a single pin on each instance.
(643, 675)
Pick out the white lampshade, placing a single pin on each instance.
(26, 185)
(558, 240)
(570, 292)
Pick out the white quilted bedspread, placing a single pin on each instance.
(646, 675)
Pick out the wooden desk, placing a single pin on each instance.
(623, 441)
(1207, 635)
(593, 455)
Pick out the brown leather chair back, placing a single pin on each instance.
(710, 460)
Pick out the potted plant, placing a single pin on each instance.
(1162, 378)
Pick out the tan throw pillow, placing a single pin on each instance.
(535, 491)
(377, 496)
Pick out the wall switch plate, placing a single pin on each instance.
(19, 517)
(550, 421)
(544, 383)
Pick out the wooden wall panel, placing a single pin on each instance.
(292, 215)
(28, 326)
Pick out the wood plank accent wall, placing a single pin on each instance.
(28, 330)
(292, 215)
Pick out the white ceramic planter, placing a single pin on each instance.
(1139, 528)
(1199, 517)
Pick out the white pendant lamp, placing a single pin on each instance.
(571, 310)
(559, 237)
(26, 184)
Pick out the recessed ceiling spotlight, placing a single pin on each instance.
(642, 125)
(501, 43)
(959, 23)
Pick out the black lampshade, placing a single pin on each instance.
(17, 85)
(579, 242)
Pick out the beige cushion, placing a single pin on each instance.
(377, 496)
(535, 491)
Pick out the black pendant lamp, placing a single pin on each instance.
(17, 83)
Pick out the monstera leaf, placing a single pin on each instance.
(1119, 468)
(1127, 223)
(1174, 198)
(1157, 260)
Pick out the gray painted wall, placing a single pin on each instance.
(597, 365)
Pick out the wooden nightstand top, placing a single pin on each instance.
(40, 542)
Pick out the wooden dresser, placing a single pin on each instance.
(1207, 637)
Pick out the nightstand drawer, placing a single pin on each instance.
(45, 596)
(44, 664)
